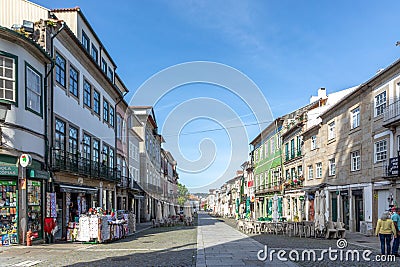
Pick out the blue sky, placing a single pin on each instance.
(288, 48)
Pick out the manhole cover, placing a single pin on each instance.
(362, 241)
(121, 259)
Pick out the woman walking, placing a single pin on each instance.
(385, 228)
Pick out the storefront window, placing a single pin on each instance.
(34, 193)
(8, 213)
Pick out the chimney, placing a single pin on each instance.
(322, 93)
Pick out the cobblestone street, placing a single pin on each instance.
(166, 246)
(355, 241)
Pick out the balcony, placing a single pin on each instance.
(125, 182)
(391, 115)
(390, 172)
(67, 162)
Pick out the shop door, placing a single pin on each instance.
(346, 211)
(334, 208)
(311, 211)
(359, 211)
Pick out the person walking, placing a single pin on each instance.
(396, 220)
(384, 228)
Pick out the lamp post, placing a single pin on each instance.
(4, 108)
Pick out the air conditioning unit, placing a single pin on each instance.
(366, 228)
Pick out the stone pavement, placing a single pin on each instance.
(221, 245)
(354, 243)
(164, 246)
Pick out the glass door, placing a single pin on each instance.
(34, 210)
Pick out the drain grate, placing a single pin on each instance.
(147, 241)
(362, 241)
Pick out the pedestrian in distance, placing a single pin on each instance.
(396, 220)
(384, 228)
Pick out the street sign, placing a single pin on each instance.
(25, 160)
(393, 168)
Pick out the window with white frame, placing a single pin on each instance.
(95, 54)
(355, 161)
(60, 69)
(313, 142)
(256, 155)
(85, 41)
(380, 151)
(272, 145)
(319, 170)
(355, 118)
(110, 74)
(7, 77)
(331, 130)
(331, 167)
(119, 127)
(87, 93)
(266, 149)
(300, 171)
(310, 172)
(380, 103)
(131, 151)
(33, 90)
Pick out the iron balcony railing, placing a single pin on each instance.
(68, 162)
(392, 112)
(125, 182)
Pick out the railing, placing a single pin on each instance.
(392, 112)
(125, 182)
(68, 162)
(385, 171)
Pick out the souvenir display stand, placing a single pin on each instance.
(100, 228)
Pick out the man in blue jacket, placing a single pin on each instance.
(396, 241)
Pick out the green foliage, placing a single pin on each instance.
(183, 194)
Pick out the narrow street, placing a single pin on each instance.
(211, 242)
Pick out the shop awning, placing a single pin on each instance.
(77, 189)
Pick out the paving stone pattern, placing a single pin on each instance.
(165, 246)
(355, 241)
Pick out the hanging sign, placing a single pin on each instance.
(25, 160)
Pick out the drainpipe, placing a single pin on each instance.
(52, 96)
(115, 138)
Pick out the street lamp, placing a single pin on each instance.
(4, 108)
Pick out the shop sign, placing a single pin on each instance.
(38, 174)
(344, 193)
(8, 171)
(8, 183)
(25, 160)
(301, 198)
(261, 199)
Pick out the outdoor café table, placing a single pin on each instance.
(309, 228)
(262, 226)
(278, 227)
(290, 228)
